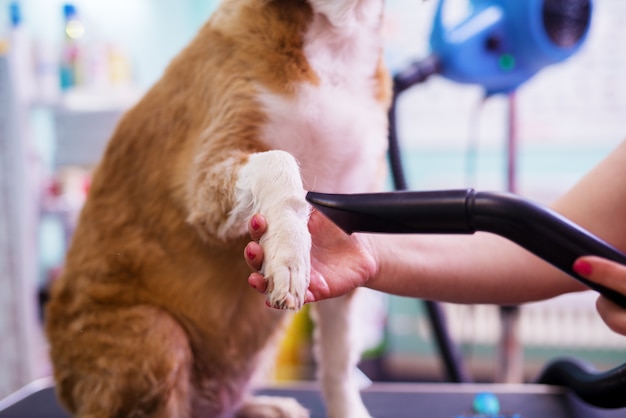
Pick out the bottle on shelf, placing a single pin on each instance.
(72, 74)
(19, 55)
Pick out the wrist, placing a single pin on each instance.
(372, 258)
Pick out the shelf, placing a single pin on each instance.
(84, 121)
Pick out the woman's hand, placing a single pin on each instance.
(339, 262)
(611, 275)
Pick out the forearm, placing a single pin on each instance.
(485, 268)
(479, 268)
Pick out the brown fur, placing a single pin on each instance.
(152, 308)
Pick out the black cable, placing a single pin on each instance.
(452, 360)
(395, 157)
(416, 73)
(604, 390)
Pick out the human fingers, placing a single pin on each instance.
(253, 255)
(318, 288)
(339, 262)
(258, 282)
(612, 314)
(602, 271)
(257, 227)
(611, 275)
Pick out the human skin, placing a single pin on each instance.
(479, 268)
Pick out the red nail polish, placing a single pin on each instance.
(255, 224)
(250, 254)
(583, 268)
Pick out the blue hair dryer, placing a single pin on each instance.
(503, 43)
(499, 46)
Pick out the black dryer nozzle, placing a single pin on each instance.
(397, 212)
(539, 230)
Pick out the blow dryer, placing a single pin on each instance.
(502, 43)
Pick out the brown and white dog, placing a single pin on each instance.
(153, 315)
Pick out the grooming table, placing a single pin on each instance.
(384, 400)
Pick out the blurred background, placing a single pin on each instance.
(69, 70)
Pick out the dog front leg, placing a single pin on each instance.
(268, 183)
(337, 351)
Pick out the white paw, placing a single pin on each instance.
(270, 184)
(287, 247)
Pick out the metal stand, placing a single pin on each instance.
(510, 367)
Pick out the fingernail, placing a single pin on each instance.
(583, 268)
(254, 223)
(250, 255)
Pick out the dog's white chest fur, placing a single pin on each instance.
(335, 129)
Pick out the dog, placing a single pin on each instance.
(152, 315)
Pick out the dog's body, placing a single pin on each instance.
(153, 315)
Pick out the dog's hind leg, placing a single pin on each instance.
(123, 362)
(337, 351)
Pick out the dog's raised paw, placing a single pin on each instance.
(287, 263)
(287, 281)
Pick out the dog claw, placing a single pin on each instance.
(290, 302)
